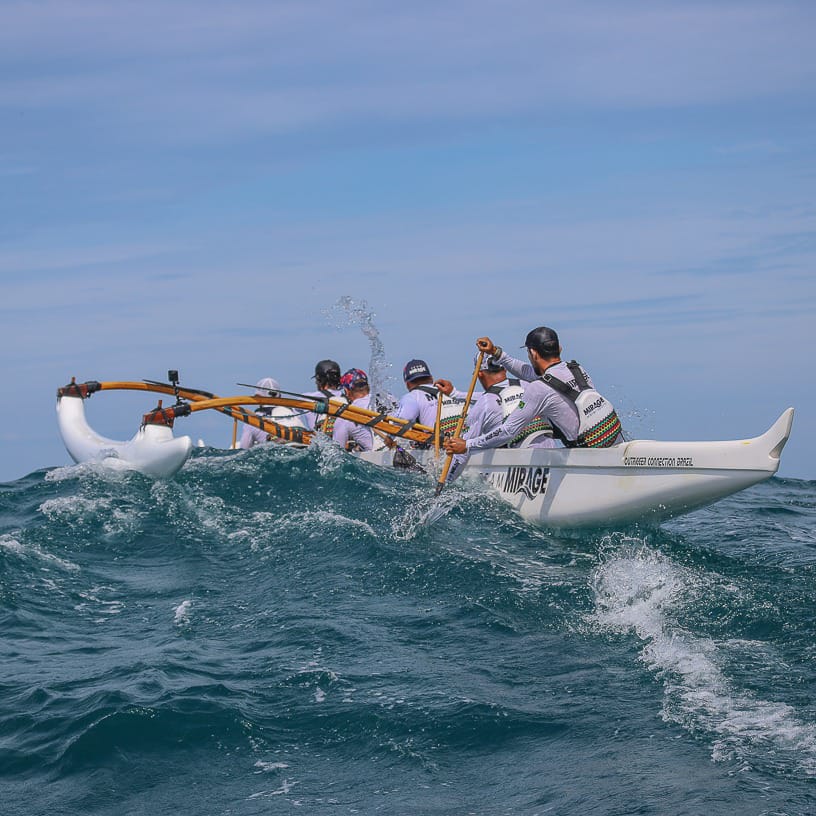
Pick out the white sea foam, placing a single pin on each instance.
(11, 543)
(265, 524)
(640, 590)
(254, 462)
(73, 506)
(92, 598)
(181, 615)
(114, 470)
(268, 767)
(208, 512)
(286, 787)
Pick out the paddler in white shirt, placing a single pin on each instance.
(352, 435)
(419, 405)
(327, 379)
(251, 436)
(501, 396)
(542, 399)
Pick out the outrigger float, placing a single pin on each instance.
(636, 481)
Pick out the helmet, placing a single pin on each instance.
(354, 378)
(544, 341)
(415, 370)
(327, 371)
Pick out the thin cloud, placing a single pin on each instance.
(202, 71)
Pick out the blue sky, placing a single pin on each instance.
(196, 185)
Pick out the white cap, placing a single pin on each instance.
(265, 385)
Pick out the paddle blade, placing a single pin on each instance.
(404, 461)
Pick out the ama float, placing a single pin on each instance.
(639, 480)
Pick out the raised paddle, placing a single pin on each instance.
(460, 424)
(437, 424)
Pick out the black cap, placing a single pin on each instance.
(327, 371)
(415, 370)
(544, 341)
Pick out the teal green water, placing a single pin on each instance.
(273, 632)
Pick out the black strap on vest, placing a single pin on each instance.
(499, 387)
(576, 372)
(428, 389)
(570, 393)
(561, 387)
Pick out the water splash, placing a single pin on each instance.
(181, 615)
(638, 422)
(354, 312)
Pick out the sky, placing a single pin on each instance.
(198, 185)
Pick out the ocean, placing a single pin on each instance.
(275, 631)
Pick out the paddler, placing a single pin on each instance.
(419, 405)
(501, 396)
(351, 435)
(553, 394)
(327, 379)
(251, 436)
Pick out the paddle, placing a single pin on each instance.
(460, 424)
(437, 424)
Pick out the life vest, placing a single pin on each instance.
(598, 423)
(324, 422)
(510, 393)
(452, 408)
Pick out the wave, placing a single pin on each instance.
(277, 614)
(641, 591)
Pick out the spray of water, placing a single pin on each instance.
(349, 311)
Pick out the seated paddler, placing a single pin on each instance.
(251, 436)
(352, 435)
(556, 392)
(420, 403)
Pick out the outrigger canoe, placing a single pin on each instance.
(636, 481)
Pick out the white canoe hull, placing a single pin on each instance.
(637, 481)
(641, 480)
(153, 451)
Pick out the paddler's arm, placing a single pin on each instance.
(518, 368)
(448, 389)
(508, 430)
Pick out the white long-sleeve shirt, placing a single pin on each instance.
(418, 405)
(345, 430)
(539, 401)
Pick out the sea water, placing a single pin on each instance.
(275, 631)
